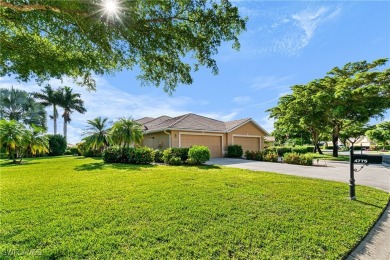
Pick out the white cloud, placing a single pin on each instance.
(284, 30)
(267, 123)
(242, 100)
(109, 101)
(274, 82)
(308, 20)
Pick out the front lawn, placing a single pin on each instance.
(77, 207)
(329, 157)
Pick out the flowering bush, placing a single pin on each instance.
(300, 159)
(271, 157)
(254, 155)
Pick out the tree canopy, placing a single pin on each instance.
(20, 106)
(49, 38)
(352, 94)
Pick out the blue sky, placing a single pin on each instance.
(286, 43)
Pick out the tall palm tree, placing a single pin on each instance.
(125, 132)
(70, 102)
(20, 106)
(50, 97)
(98, 134)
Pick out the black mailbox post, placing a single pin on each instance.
(359, 159)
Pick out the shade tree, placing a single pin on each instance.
(166, 40)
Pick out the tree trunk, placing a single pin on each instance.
(65, 127)
(319, 149)
(335, 138)
(55, 125)
(55, 119)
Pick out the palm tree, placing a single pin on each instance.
(20, 106)
(14, 137)
(50, 97)
(70, 102)
(126, 132)
(37, 142)
(98, 136)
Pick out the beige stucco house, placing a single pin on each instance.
(191, 129)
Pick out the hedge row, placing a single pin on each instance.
(139, 155)
(290, 158)
(300, 159)
(289, 149)
(195, 155)
(143, 155)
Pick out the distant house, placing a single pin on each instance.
(191, 129)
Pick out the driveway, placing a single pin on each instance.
(373, 175)
(375, 246)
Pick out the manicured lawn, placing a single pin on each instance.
(329, 157)
(76, 207)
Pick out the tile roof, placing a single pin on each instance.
(233, 124)
(191, 122)
(144, 120)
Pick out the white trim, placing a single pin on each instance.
(206, 134)
(251, 136)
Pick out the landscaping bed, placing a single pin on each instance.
(76, 207)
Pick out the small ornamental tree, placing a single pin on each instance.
(57, 145)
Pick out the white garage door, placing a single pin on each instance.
(214, 143)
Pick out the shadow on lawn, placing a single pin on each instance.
(119, 166)
(369, 204)
(5, 164)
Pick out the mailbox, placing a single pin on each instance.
(367, 159)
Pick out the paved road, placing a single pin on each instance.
(373, 175)
(376, 245)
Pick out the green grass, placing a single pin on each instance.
(74, 207)
(329, 157)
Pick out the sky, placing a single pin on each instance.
(286, 43)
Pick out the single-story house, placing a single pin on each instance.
(191, 129)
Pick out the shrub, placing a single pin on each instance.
(254, 155)
(139, 155)
(57, 145)
(296, 158)
(234, 151)
(182, 153)
(199, 154)
(143, 155)
(271, 157)
(158, 156)
(307, 159)
(175, 161)
(92, 153)
(279, 150)
(110, 155)
(68, 152)
(302, 149)
(167, 155)
(74, 151)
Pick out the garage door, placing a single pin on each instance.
(214, 143)
(248, 143)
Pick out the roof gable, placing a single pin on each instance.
(193, 122)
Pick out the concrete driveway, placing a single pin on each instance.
(376, 245)
(373, 175)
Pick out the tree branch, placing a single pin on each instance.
(29, 8)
